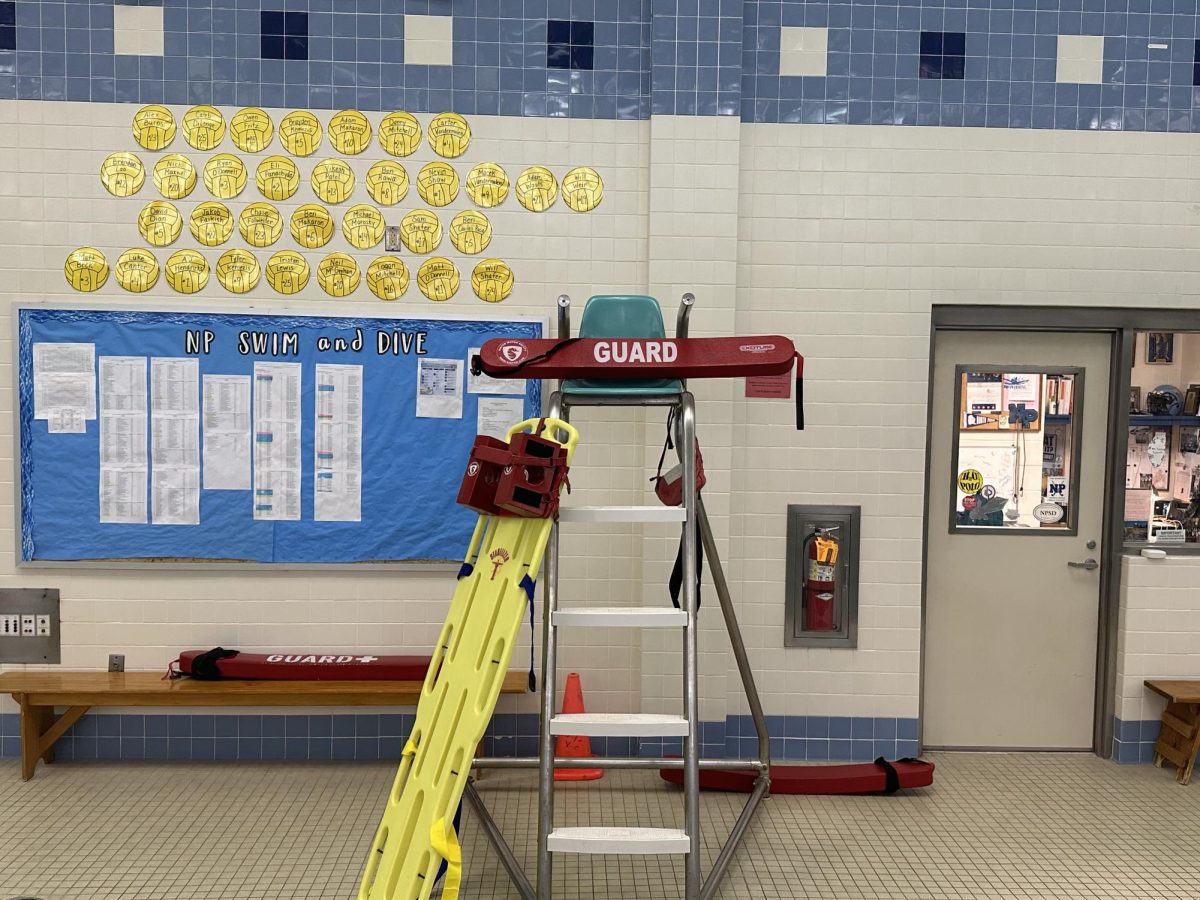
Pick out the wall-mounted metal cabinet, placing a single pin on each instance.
(821, 600)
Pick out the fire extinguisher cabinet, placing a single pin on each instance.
(821, 608)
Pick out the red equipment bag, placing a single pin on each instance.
(211, 665)
(521, 477)
(879, 777)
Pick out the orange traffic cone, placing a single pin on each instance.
(575, 746)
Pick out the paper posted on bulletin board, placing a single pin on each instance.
(253, 437)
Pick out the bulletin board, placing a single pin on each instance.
(260, 437)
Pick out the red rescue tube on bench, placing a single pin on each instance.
(220, 663)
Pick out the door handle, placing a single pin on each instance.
(1090, 564)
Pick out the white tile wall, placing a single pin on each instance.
(1159, 630)
(841, 237)
(1080, 59)
(138, 30)
(429, 40)
(803, 50)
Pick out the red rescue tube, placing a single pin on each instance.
(221, 663)
(628, 358)
(858, 778)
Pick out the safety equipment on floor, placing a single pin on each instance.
(820, 579)
(494, 588)
(879, 777)
(574, 746)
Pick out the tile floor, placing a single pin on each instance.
(994, 827)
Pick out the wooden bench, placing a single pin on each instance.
(38, 693)
(1179, 737)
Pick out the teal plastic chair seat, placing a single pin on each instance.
(622, 316)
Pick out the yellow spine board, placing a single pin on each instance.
(457, 699)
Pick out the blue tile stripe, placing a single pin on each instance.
(1133, 740)
(664, 57)
(381, 737)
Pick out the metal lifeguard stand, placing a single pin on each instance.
(632, 316)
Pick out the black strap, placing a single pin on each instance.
(528, 585)
(676, 582)
(204, 666)
(799, 402)
(891, 776)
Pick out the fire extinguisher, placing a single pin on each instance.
(820, 580)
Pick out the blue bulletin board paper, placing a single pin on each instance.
(411, 466)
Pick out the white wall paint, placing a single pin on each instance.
(842, 237)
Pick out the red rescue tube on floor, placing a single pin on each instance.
(858, 778)
(221, 663)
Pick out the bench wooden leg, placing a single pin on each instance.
(39, 731)
(1179, 739)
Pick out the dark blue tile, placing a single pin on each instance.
(250, 748)
(906, 749)
(296, 23)
(156, 726)
(179, 727)
(885, 748)
(296, 727)
(108, 726)
(156, 747)
(320, 748)
(907, 729)
(273, 747)
(204, 748)
(272, 726)
(366, 726)
(225, 726)
(390, 748)
(862, 728)
(839, 727)
(225, 748)
(8, 37)
(839, 749)
(133, 748)
(273, 46)
(343, 748)
(861, 751)
(885, 729)
(273, 22)
(108, 747)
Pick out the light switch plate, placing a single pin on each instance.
(29, 625)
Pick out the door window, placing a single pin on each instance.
(1015, 459)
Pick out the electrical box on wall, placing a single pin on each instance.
(29, 625)
(821, 599)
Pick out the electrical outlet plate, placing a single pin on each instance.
(29, 625)
(391, 238)
(116, 662)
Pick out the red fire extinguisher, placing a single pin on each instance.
(820, 580)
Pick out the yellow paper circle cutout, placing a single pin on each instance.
(312, 226)
(86, 269)
(387, 277)
(449, 135)
(537, 189)
(338, 275)
(470, 231)
(362, 226)
(136, 270)
(174, 176)
(186, 271)
(122, 174)
(387, 182)
(350, 132)
(160, 223)
(287, 272)
(277, 178)
(438, 278)
(487, 184)
(582, 189)
(421, 231)
(225, 176)
(400, 133)
(251, 129)
(211, 223)
(492, 280)
(261, 224)
(437, 183)
(238, 271)
(332, 180)
(203, 127)
(153, 127)
(300, 133)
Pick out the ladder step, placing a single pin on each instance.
(622, 616)
(622, 514)
(618, 840)
(619, 725)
